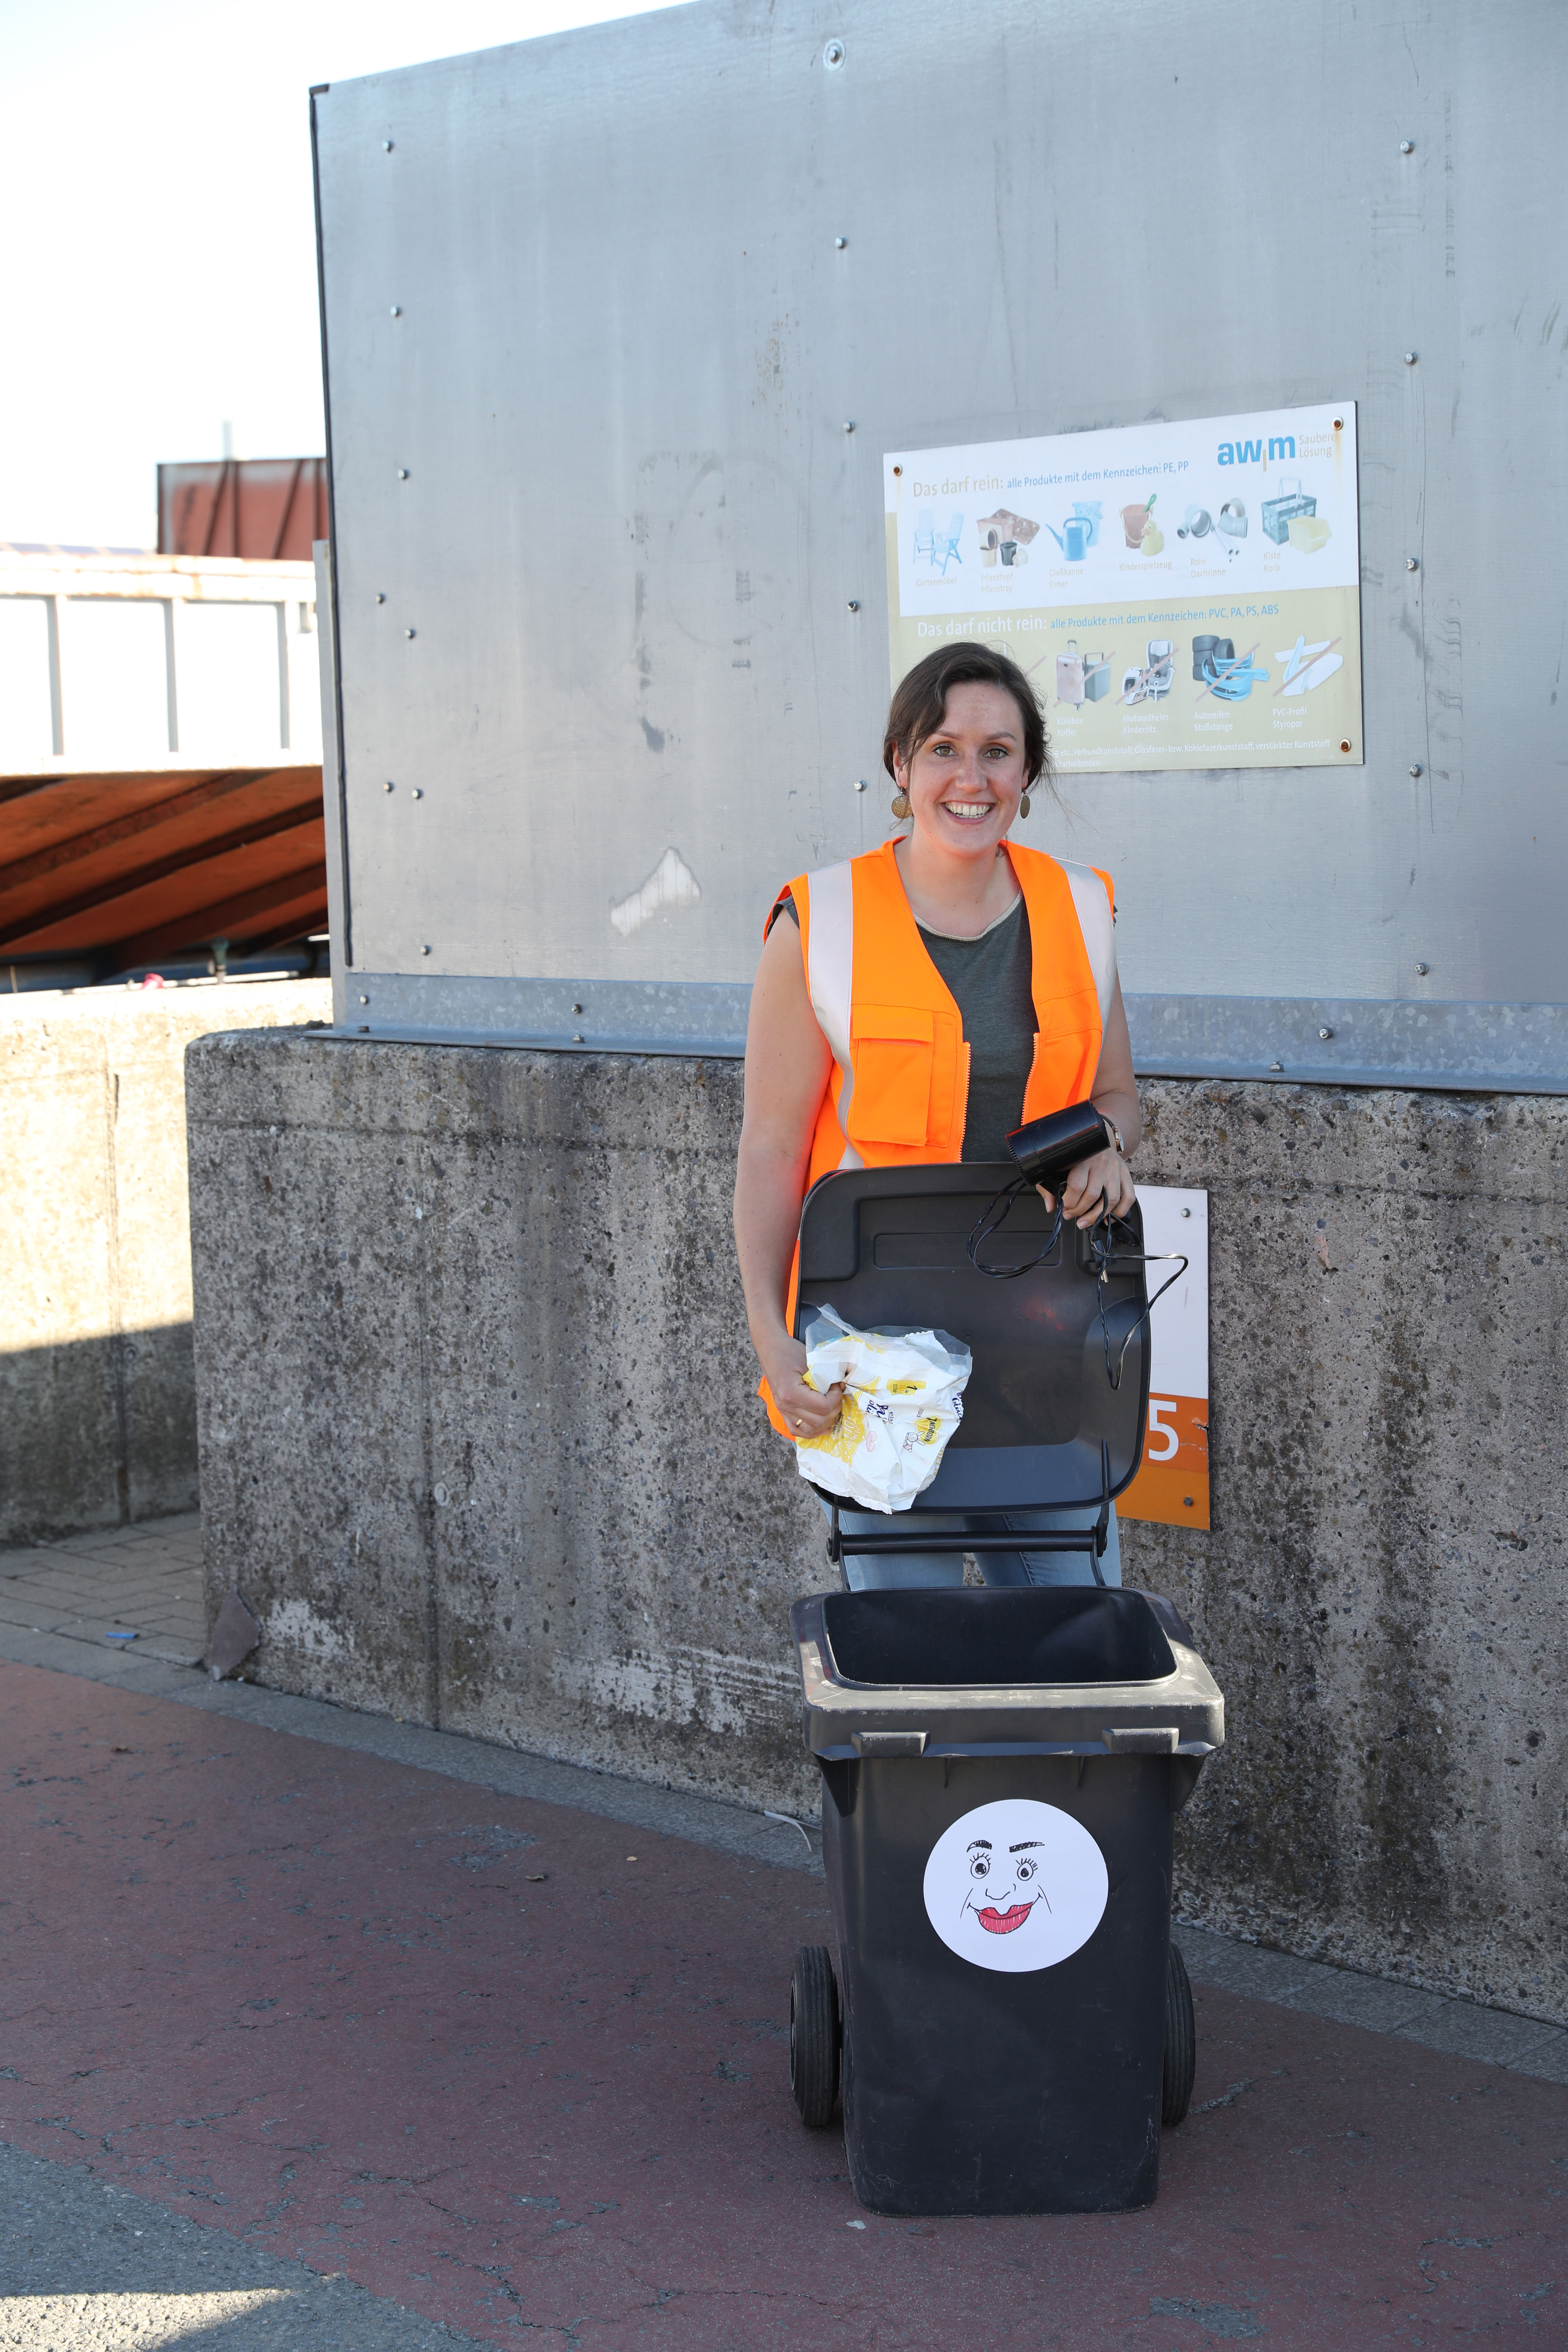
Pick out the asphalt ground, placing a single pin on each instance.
(368, 2050)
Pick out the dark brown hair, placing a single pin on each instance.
(919, 704)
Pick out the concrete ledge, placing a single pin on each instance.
(97, 1408)
(480, 1448)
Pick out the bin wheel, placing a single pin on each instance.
(1181, 2042)
(814, 2036)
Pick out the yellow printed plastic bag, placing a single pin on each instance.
(903, 1398)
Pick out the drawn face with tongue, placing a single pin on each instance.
(1015, 1884)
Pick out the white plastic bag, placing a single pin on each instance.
(903, 1398)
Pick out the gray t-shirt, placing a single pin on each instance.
(989, 979)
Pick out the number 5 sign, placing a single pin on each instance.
(1172, 1486)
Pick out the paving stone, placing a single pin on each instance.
(1470, 2032)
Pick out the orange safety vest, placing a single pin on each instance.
(898, 1091)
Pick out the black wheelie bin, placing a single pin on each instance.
(1001, 1767)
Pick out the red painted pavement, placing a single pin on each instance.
(318, 2000)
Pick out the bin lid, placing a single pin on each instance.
(889, 1246)
(1077, 1669)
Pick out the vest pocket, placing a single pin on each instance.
(1065, 1067)
(893, 1049)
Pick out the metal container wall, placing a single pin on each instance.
(618, 324)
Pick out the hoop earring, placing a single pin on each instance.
(1024, 805)
(900, 805)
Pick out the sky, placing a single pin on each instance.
(158, 275)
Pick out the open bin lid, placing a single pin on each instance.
(1062, 1670)
(889, 1246)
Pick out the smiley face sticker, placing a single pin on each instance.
(1016, 1885)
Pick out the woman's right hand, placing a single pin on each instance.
(806, 1412)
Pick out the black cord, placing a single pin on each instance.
(1105, 1259)
(990, 1223)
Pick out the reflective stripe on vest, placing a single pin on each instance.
(898, 1087)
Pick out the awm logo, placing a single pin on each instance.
(1250, 453)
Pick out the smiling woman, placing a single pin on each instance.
(919, 1003)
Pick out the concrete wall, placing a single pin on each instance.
(98, 1420)
(479, 1446)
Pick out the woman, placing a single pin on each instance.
(916, 1005)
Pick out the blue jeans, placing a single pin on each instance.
(891, 1571)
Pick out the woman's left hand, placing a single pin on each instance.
(1095, 1185)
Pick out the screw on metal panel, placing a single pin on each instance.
(1416, 768)
(576, 1008)
(859, 783)
(1345, 747)
(403, 473)
(1412, 563)
(418, 792)
(386, 146)
(1186, 1212)
(854, 604)
(833, 56)
(1277, 1065)
(849, 424)
(840, 242)
(1325, 1034)
(381, 600)
(387, 788)
(576, 1036)
(1422, 969)
(397, 309)
(408, 633)
(425, 950)
(1409, 359)
(365, 1028)
(364, 1000)
(1407, 146)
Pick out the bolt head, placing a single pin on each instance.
(839, 242)
(364, 1000)
(1412, 563)
(1186, 1212)
(397, 309)
(1422, 969)
(408, 633)
(1325, 1034)
(1416, 768)
(854, 604)
(425, 950)
(576, 1008)
(849, 424)
(859, 783)
(1277, 1065)
(1407, 146)
(386, 788)
(381, 600)
(386, 146)
(1409, 359)
(576, 1036)
(419, 792)
(403, 473)
(833, 56)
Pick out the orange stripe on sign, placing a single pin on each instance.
(1172, 1484)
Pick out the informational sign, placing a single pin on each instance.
(1182, 595)
(1172, 1484)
